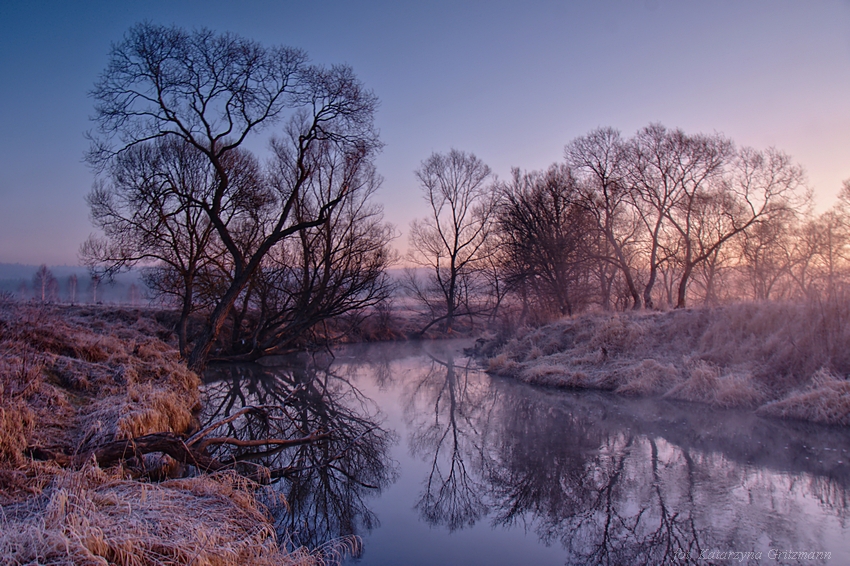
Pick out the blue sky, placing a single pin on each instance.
(512, 82)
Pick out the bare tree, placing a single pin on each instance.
(710, 210)
(214, 92)
(44, 284)
(72, 288)
(94, 283)
(549, 237)
(133, 295)
(670, 171)
(600, 161)
(451, 242)
(768, 252)
(823, 263)
(328, 271)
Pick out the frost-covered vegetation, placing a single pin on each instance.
(782, 359)
(73, 378)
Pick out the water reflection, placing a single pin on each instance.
(327, 483)
(606, 480)
(444, 408)
(618, 481)
(608, 496)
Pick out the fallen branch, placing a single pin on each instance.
(262, 441)
(169, 443)
(118, 451)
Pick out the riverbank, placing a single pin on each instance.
(75, 378)
(786, 360)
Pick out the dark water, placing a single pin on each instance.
(431, 461)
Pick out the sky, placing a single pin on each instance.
(510, 81)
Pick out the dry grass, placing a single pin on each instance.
(649, 377)
(91, 517)
(825, 400)
(770, 356)
(86, 377)
(75, 377)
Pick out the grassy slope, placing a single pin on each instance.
(785, 360)
(73, 377)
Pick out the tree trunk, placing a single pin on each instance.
(683, 286)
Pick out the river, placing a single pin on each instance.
(432, 461)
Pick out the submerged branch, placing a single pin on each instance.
(122, 451)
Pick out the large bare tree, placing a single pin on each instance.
(214, 92)
(751, 188)
(452, 240)
(336, 268)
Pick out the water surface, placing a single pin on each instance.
(432, 461)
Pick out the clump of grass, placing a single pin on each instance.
(740, 389)
(825, 400)
(91, 517)
(617, 333)
(502, 365)
(649, 377)
(700, 386)
(16, 425)
(555, 375)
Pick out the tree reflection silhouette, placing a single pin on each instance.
(611, 491)
(610, 480)
(449, 438)
(608, 484)
(326, 483)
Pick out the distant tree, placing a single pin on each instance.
(804, 248)
(767, 254)
(44, 284)
(827, 239)
(23, 290)
(213, 92)
(72, 288)
(94, 284)
(133, 295)
(450, 243)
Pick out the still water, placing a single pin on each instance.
(431, 461)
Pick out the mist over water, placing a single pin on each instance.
(442, 464)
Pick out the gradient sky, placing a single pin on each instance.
(512, 82)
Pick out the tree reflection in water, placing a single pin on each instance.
(612, 490)
(447, 435)
(326, 483)
(607, 483)
(610, 480)
(593, 489)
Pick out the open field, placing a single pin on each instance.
(781, 359)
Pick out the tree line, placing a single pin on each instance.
(258, 253)
(662, 219)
